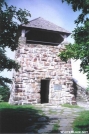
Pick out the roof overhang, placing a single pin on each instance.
(44, 36)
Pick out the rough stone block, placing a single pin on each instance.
(41, 62)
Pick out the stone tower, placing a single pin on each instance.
(43, 77)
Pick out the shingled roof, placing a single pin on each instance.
(41, 23)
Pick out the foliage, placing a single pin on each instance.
(9, 16)
(80, 49)
(87, 90)
(1, 98)
(82, 6)
(4, 93)
(81, 123)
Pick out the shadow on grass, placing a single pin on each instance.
(20, 119)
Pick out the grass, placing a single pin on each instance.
(70, 106)
(55, 128)
(15, 118)
(7, 105)
(52, 112)
(81, 123)
(61, 112)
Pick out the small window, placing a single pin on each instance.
(57, 87)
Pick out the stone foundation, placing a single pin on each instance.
(40, 62)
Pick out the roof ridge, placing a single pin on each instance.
(34, 19)
(52, 23)
(44, 24)
(47, 21)
(31, 20)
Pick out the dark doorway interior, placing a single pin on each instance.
(45, 91)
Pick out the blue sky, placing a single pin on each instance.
(54, 11)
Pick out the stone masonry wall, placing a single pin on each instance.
(40, 62)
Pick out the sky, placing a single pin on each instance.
(56, 12)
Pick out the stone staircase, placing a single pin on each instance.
(82, 96)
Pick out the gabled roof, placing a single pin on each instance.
(41, 23)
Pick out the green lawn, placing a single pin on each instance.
(81, 123)
(15, 119)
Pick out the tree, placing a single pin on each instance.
(80, 48)
(4, 94)
(9, 16)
